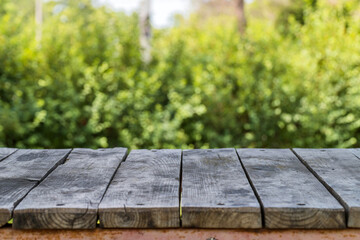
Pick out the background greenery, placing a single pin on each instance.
(290, 82)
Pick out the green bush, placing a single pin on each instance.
(84, 84)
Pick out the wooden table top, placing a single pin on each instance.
(173, 188)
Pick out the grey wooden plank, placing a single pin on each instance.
(291, 195)
(355, 151)
(69, 197)
(22, 171)
(144, 192)
(4, 152)
(338, 170)
(216, 192)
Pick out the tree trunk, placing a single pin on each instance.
(145, 31)
(38, 19)
(241, 16)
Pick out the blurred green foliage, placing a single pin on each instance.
(292, 83)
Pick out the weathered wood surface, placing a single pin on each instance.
(22, 171)
(339, 170)
(4, 152)
(69, 197)
(216, 192)
(355, 151)
(291, 195)
(144, 192)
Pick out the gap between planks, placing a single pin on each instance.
(35, 182)
(148, 184)
(77, 213)
(331, 191)
(216, 191)
(281, 180)
(180, 182)
(254, 190)
(42, 179)
(180, 187)
(337, 169)
(107, 187)
(12, 151)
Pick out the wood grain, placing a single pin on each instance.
(355, 151)
(4, 152)
(291, 195)
(22, 171)
(69, 197)
(144, 192)
(216, 192)
(339, 171)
